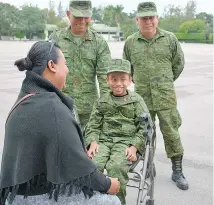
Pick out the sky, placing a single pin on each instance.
(129, 5)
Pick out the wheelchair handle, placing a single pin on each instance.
(148, 126)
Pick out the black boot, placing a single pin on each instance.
(177, 175)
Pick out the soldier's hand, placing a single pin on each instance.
(115, 186)
(94, 147)
(131, 154)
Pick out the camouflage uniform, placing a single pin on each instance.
(114, 125)
(86, 59)
(157, 63)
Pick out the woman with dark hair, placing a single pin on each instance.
(44, 160)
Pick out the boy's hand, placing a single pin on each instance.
(131, 154)
(94, 147)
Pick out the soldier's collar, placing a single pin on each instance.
(88, 36)
(159, 34)
(129, 98)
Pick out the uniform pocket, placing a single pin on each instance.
(136, 57)
(127, 111)
(176, 118)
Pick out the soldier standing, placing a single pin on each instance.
(87, 54)
(157, 61)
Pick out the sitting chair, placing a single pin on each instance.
(145, 177)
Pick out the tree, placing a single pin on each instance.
(118, 14)
(113, 15)
(128, 24)
(51, 5)
(170, 23)
(19, 35)
(193, 26)
(61, 12)
(208, 19)
(33, 21)
(190, 10)
(172, 10)
(97, 14)
(173, 16)
(9, 19)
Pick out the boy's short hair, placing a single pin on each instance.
(119, 65)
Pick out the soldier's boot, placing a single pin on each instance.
(177, 175)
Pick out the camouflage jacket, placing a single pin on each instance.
(85, 61)
(157, 63)
(114, 122)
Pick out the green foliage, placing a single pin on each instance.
(30, 21)
(193, 26)
(190, 10)
(191, 36)
(33, 21)
(61, 12)
(61, 24)
(172, 11)
(9, 19)
(170, 23)
(211, 37)
(194, 37)
(129, 27)
(97, 14)
(19, 35)
(208, 20)
(113, 15)
(43, 36)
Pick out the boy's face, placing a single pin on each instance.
(118, 82)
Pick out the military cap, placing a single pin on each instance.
(147, 9)
(80, 8)
(119, 65)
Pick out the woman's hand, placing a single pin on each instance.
(115, 186)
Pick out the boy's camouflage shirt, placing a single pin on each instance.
(117, 122)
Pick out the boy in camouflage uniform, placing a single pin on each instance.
(114, 133)
(86, 54)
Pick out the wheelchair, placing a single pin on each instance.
(145, 177)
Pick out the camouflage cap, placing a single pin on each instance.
(147, 9)
(119, 65)
(80, 8)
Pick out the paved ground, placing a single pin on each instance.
(194, 91)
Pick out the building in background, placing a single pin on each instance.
(109, 33)
(49, 29)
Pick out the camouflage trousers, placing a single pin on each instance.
(169, 122)
(112, 157)
(83, 118)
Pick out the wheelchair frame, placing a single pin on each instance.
(146, 174)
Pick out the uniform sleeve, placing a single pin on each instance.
(94, 125)
(127, 56)
(177, 58)
(103, 59)
(139, 140)
(99, 182)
